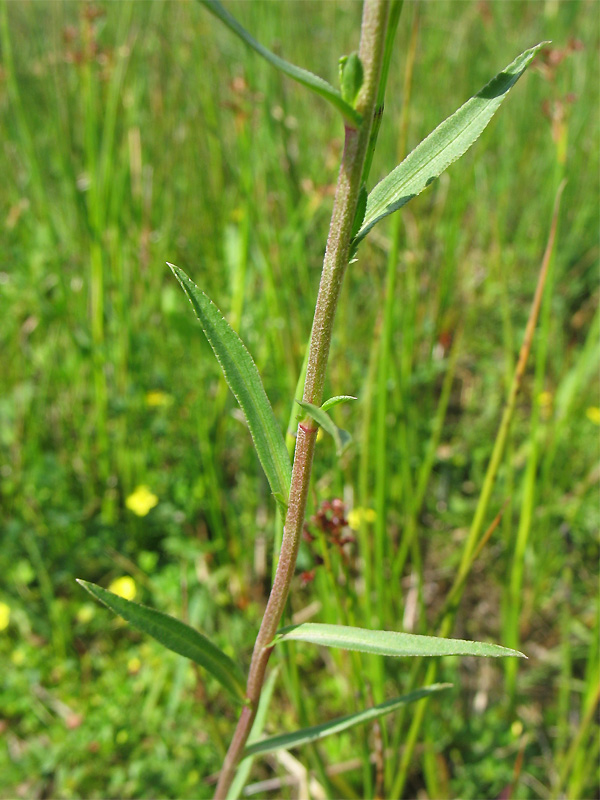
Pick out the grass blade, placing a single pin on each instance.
(244, 381)
(175, 636)
(288, 740)
(447, 143)
(243, 771)
(388, 643)
(302, 76)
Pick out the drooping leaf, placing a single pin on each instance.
(288, 740)
(448, 142)
(243, 771)
(388, 643)
(341, 438)
(244, 381)
(336, 401)
(176, 636)
(303, 76)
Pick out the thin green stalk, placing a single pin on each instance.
(373, 31)
(501, 438)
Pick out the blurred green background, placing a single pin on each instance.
(136, 133)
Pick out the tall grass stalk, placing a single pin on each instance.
(475, 537)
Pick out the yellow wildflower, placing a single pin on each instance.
(133, 665)
(593, 414)
(359, 515)
(4, 616)
(86, 613)
(158, 398)
(141, 501)
(124, 587)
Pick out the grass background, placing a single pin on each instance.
(137, 133)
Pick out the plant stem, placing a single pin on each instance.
(373, 32)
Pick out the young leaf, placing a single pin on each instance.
(341, 438)
(303, 76)
(335, 401)
(176, 636)
(388, 643)
(244, 381)
(288, 740)
(351, 77)
(448, 142)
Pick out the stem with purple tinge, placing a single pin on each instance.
(372, 41)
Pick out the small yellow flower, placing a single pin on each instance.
(545, 399)
(86, 613)
(4, 616)
(593, 414)
(158, 398)
(359, 515)
(141, 501)
(133, 665)
(124, 587)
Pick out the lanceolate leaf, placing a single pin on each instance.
(341, 438)
(288, 740)
(303, 76)
(176, 636)
(388, 643)
(448, 142)
(244, 381)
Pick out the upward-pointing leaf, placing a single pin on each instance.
(244, 381)
(303, 76)
(313, 734)
(448, 142)
(388, 643)
(176, 636)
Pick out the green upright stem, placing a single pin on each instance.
(371, 49)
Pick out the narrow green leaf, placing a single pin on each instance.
(288, 740)
(244, 381)
(243, 771)
(388, 643)
(336, 401)
(303, 76)
(176, 636)
(448, 142)
(341, 438)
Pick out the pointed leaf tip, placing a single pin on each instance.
(176, 636)
(389, 643)
(447, 143)
(245, 382)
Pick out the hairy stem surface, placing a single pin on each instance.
(371, 49)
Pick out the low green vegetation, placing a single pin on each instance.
(136, 134)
